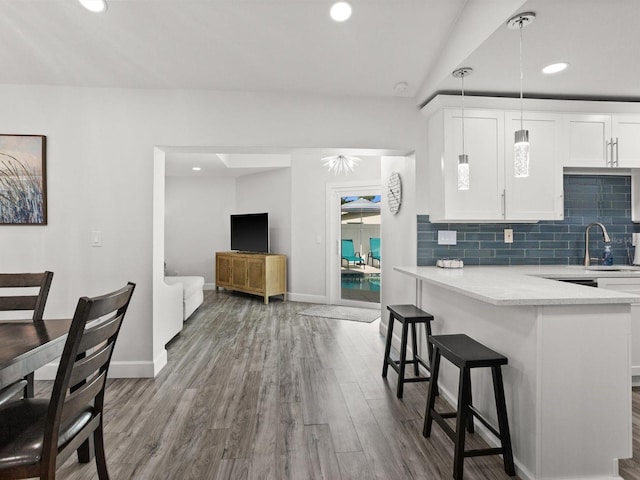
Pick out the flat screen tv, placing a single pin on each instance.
(250, 232)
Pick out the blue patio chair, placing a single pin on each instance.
(374, 250)
(349, 254)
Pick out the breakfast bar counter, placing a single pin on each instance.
(568, 381)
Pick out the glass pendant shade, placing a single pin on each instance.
(463, 172)
(521, 145)
(521, 154)
(463, 159)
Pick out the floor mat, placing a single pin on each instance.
(342, 313)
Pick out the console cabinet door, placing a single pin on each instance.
(223, 270)
(484, 144)
(626, 130)
(239, 272)
(538, 196)
(585, 143)
(256, 274)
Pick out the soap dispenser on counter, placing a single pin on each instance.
(607, 255)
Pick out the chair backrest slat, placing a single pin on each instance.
(106, 304)
(26, 302)
(22, 302)
(84, 367)
(82, 398)
(97, 334)
(18, 280)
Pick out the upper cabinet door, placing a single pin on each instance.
(484, 144)
(586, 140)
(538, 196)
(625, 129)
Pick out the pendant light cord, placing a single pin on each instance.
(462, 77)
(521, 74)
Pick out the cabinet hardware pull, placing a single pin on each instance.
(609, 153)
(616, 144)
(504, 203)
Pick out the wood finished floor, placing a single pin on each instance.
(254, 391)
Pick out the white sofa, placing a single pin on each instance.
(192, 293)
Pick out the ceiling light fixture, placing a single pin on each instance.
(196, 169)
(521, 145)
(339, 164)
(96, 6)
(340, 11)
(555, 68)
(463, 160)
(401, 87)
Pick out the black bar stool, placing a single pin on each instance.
(408, 315)
(466, 353)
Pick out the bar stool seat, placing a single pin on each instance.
(409, 316)
(466, 353)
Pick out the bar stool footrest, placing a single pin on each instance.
(439, 419)
(484, 421)
(480, 452)
(417, 379)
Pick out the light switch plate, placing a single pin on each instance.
(447, 237)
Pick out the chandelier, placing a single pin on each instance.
(339, 164)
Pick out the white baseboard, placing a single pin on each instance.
(117, 369)
(301, 297)
(209, 286)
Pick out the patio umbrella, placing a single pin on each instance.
(361, 206)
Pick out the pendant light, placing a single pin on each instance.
(521, 145)
(463, 160)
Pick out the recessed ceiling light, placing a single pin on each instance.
(96, 6)
(196, 169)
(340, 11)
(555, 68)
(401, 87)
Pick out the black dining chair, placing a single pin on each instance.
(37, 435)
(23, 302)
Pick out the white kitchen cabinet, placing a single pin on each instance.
(602, 140)
(585, 140)
(484, 144)
(540, 195)
(629, 285)
(625, 130)
(494, 194)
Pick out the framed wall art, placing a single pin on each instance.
(23, 180)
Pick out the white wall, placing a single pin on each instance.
(269, 192)
(399, 238)
(100, 146)
(197, 223)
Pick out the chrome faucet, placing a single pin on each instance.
(587, 257)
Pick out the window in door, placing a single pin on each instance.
(360, 248)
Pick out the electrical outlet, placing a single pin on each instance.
(508, 235)
(447, 237)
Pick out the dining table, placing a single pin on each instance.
(27, 345)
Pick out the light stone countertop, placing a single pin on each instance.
(526, 285)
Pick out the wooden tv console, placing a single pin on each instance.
(262, 274)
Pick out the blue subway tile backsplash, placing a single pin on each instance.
(587, 198)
